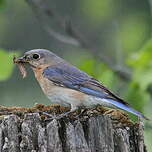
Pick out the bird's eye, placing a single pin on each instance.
(36, 56)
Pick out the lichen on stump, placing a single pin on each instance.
(28, 129)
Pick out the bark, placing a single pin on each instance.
(32, 133)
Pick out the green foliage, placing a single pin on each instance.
(6, 64)
(87, 65)
(108, 78)
(142, 66)
(136, 96)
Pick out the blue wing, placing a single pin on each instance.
(69, 76)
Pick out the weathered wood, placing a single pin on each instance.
(31, 133)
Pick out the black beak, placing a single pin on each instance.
(22, 59)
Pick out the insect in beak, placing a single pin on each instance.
(20, 62)
(22, 59)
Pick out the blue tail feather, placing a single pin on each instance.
(127, 108)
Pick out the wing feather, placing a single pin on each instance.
(71, 77)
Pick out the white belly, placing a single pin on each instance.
(60, 98)
(68, 97)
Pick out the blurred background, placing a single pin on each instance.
(108, 39)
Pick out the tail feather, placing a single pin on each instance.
(126, 108)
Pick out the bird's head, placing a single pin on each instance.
(38, 57)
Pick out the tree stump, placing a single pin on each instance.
(31, 132)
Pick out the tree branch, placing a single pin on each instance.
(72, 35)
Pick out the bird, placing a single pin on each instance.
(66, 85)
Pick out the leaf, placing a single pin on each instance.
(6, 64)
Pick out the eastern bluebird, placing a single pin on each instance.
(66, 85)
